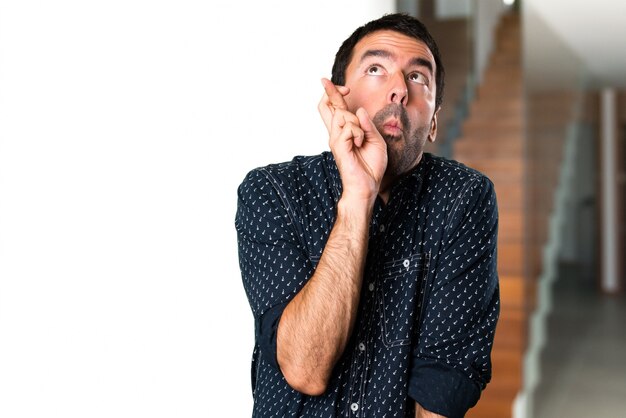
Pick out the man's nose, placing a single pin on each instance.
(398, 92)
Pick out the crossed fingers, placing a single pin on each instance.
(332, 100)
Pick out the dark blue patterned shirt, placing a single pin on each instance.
(429, 302)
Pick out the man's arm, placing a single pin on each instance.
(451, 362)
(316, 324)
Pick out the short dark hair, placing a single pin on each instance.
(398, 22)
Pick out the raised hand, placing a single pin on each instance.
(358, 148)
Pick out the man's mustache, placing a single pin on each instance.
(392, 110)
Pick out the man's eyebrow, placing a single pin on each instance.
(376, 53)
(415, 62)
(422, 62)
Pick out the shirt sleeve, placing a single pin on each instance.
(451, 361)
(274, 265)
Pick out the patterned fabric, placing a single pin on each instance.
(429, 302)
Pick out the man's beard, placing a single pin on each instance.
(401, 157)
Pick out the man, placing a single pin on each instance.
(371, 270)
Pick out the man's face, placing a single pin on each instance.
(392, 76)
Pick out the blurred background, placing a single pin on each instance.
(126, 127)
(535, 99)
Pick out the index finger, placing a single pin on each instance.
(334, 95)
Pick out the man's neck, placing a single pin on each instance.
(389, 181)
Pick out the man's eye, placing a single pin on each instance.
(374, 70)
(418, 78)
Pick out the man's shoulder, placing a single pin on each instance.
(453, 173)
(449, 167)
(297, 166)
(299, 172)
(300, 164)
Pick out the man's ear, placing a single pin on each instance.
(432, 134)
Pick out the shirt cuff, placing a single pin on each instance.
(266, 328)
(442, 389)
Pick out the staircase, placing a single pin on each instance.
(492, 141)
(455, 46)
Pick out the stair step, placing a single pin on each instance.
(510, 258)
(492, 406)
(499, 90)
(509, 46)
(508, 201)
(497, 108)
(508, 360)
(511, 73)
(503, 81)
(510, 225)
(488, 148)
(493, 137)
(512, 121)
(512, 296)
(512, 166)
(481, 130)
(499, 59)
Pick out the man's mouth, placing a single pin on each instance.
(392, 127)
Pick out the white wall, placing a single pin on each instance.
(125, 128)
(594, 34)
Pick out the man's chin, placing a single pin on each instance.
(391, 138)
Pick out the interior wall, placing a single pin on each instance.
(552, 123)
(487, 14)
(126, 127)
(408, 6)
(621, 181)
(446, 9)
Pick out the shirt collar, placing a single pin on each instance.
(413, 177)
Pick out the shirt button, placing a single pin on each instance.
(381, 228)
(371, 287)
(354, 407)
(406, 263)
(361, 346)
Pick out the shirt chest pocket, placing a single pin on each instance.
(400, 291)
